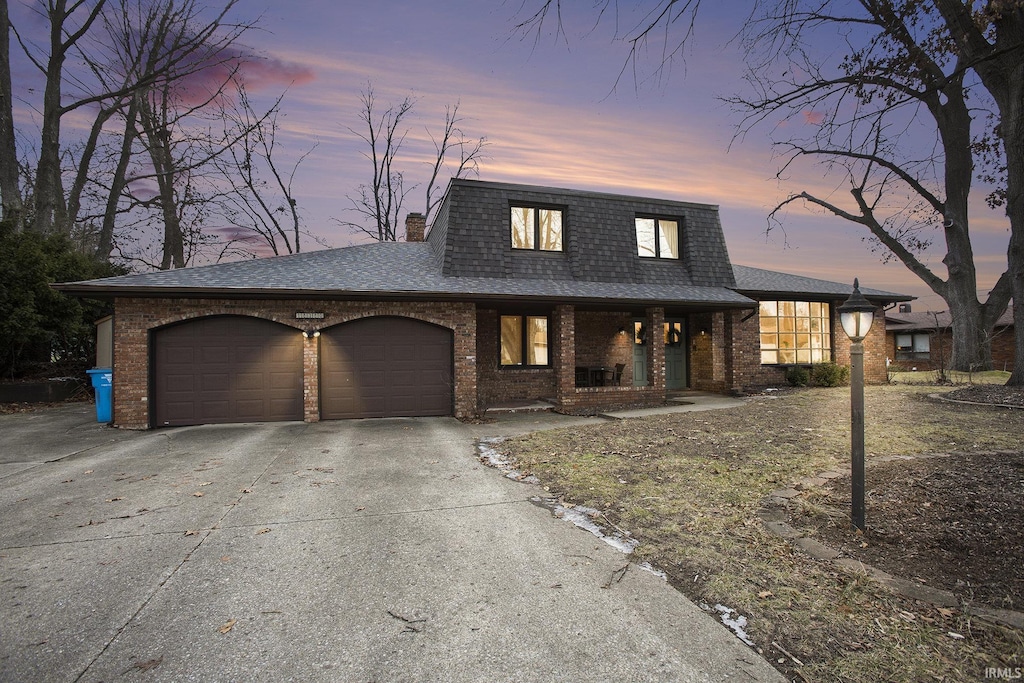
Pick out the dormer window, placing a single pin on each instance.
(536, 228)
(657, 237)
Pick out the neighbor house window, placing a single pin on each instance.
(657, 237)
(524, 340)
(536, 228)
(913, 346)
(795, 332)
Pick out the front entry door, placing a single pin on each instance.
(639, 354)
(675, 354)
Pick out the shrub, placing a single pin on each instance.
(798, 376)
(830, 375)
(42, 329)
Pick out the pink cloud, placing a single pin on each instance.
(268, 72)
(813, 118)
(257, 73)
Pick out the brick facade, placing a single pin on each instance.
(941, 349)
(136, 318)
(724, 353)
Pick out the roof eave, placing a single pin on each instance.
(760, 294)
(142, 292)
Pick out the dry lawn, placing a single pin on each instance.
(688, 486)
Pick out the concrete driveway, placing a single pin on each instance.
(378, 550)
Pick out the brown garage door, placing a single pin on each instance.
(226, 369)
(385, 367)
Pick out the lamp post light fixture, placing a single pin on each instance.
(856, 316)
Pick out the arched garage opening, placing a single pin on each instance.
(226, 369)
(385, 367)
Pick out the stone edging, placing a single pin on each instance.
(773, 516)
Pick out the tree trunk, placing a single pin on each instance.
(10, 192)
(1013, 141)
(48, 192)
(158, 136)
(105, 239)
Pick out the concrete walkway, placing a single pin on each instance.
(375, 550)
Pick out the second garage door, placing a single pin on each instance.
(385, 367)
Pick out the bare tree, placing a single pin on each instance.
(379, 203)
(470, 151)
(956, 66)
(259, 210)
(116, 63)
(10, 192)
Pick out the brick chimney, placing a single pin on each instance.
(415, 226)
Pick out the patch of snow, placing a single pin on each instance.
(490, 455)
(737, 623)
(646, 566)
(583, 517)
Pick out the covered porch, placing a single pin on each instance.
(596, 358)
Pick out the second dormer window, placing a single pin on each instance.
(536, 228)
(657, 237)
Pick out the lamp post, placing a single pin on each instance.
(856, 316)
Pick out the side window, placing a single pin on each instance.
(524, 340)
(536, 228)
(657, 237)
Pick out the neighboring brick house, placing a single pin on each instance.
(923, 340)
(589, 300)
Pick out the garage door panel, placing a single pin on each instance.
(227, 369)
(385, 367)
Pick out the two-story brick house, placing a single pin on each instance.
(589, 300)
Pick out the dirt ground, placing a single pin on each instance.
(951, 521)
(954, 522)
(945, 485)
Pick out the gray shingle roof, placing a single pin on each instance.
(930, 320)
(383, 270)
(756, 281)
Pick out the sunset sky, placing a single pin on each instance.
(555, 111)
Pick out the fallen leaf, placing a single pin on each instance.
(198, 494)
(360, 508)
(191, 532)
(87, 472)
(263, 531)
(112, 500)
(246, 490)
(228, 626)
(149, 665)
(765, 594)
(205, 483)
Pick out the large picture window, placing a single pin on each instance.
(524, 340)
(536, 228)
(657, 237)
(795, 332)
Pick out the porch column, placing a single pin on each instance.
(656, 348)
(311, 379)
(719, 341)
(564, 359)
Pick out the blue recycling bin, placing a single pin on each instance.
(102, 379)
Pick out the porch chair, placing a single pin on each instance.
(617, 377)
